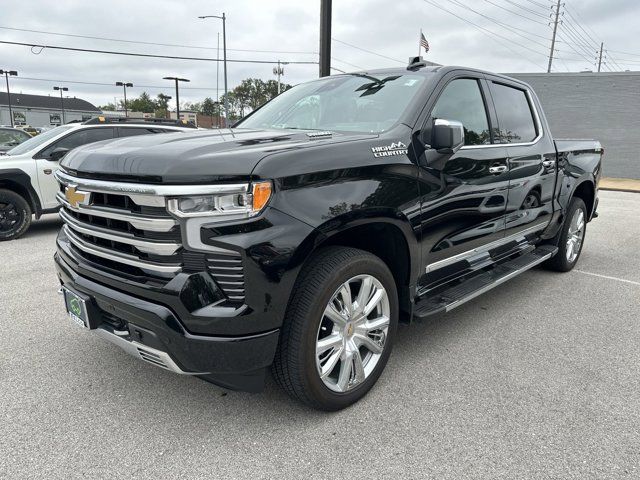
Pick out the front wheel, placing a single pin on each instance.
(570, 239)
(15, 215)
(338, 329)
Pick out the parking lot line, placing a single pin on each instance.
(609, 278)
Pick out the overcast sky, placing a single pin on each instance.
(386, 27)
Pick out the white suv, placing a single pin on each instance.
(27, 185)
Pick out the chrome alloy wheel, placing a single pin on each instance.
(352, 333)
(575, 235)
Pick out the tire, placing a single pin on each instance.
(296, 367)
(568, 255)
(15, 215)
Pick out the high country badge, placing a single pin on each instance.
(396, 148)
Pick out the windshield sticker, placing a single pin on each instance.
(396, 148)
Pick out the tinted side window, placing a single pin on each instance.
(462, 100)
(79, 138)
(132, 131)
(515, 117)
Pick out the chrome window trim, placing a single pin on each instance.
(482, 249)
(145, 246)
(124, 188)
(141, 222)
(536, 117)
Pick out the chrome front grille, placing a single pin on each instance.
(123, 231)
(126, 229)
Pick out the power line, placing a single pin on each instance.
(489, 32)
(140, 42)
(80, 82)
(504, 25)
(148, 55)
(541, 5)
(365, 50)
(533, 12)
(515, 13)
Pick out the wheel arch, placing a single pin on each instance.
(20, 183)
(385, 238)
(586, 191)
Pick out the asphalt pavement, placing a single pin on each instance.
(539, 378)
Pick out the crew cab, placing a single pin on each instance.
(27, 185)
(299, 239)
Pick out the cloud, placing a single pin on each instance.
(383, 26)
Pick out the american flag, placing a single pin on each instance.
(423, 42)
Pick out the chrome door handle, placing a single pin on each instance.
(549, 163)
(498, 169)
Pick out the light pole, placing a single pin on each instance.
(124, 87)
(6, 74)
(224, 50)
(177, 79)
(62, 89)
(279, 71)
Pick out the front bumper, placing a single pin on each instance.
(153, 333)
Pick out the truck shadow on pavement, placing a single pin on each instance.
(46, 225)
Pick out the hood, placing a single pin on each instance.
(190, 157)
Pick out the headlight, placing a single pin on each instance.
(243, 202)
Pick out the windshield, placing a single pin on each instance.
(354, 103)
(11, 138)
(41, 139)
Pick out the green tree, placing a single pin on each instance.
(162, 106)
(108, 106)
(143, 103)
(210, 108)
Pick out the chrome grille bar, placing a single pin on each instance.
(145, 246)
(117, 256)
(141, 222)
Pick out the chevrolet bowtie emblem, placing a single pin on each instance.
(75, 198)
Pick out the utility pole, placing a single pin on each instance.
(325, 38)
(177, 79)
(600, 56)
(6, 74)
(224, 48)
(278, 71)
(62, 89)
(553, 37)
(218, 82)
(124, 86)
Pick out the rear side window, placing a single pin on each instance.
(461, 100)
(132, 131)
(515, 116)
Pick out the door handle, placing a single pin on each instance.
(549, 163)
(497, 169)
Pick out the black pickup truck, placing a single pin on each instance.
(300, 238)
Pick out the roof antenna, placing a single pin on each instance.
(416, 62)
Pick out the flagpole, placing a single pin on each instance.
(419, 40)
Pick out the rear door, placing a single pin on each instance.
(464, 200)
(531, 157)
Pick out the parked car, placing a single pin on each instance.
(29, 129)
(27, 184)
(11, 137)
(299, 239)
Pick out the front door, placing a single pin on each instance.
(46, 165)
(463, 201)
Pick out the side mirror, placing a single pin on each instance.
(447, 136)
(58, 153)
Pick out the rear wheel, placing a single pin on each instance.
(15, 215)
(338, 330)
(570, 239)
